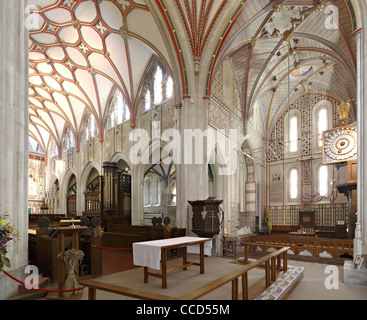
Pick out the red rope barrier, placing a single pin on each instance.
(40, 289)
(230, 244)
(106, 248)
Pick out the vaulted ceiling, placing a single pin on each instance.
(81, 51)
(282, 49)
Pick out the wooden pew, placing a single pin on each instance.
(121, 240)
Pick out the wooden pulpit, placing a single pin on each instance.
(206, 217)
(61, 233)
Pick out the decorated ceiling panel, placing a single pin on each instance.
(80, 52)
(296, 47)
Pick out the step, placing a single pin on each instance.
(29, 296)
(42, 283)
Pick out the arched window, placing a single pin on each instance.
(118, 111)
(53, 149)
(172, 193)
(323, 181)
(147, 192)
(69, 141)
(34, 146)
(158, 86)
(293, 184)
(293, 134)
(89, 127)
(156, 191)
(322, 124)
(169, 88)
(147, 103)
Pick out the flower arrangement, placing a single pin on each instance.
(7, 233)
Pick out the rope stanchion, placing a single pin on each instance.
(40, 289)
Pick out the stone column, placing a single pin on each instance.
(361, 113)
(361, 226)
(14, 135)
(192, 178)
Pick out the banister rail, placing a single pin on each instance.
(272, 262)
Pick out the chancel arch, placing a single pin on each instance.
(160, 191)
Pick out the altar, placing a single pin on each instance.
(154, 255)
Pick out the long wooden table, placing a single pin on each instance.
(153, 254)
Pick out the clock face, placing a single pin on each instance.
(340, 145)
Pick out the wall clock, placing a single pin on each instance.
(340, 144)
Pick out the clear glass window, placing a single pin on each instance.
(322, 124)
(294, 184)
(158, 86)
(323, 181)
(293, 134)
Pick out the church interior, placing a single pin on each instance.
(227, 133)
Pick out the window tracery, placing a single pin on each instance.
(158, 86)
(118, 111)
(89, 127)
(69, 140)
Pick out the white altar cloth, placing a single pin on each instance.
(148, 253)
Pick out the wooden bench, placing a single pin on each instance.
(271, 264)
(93, 286)
(284, 285)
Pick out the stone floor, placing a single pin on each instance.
(314, 286)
